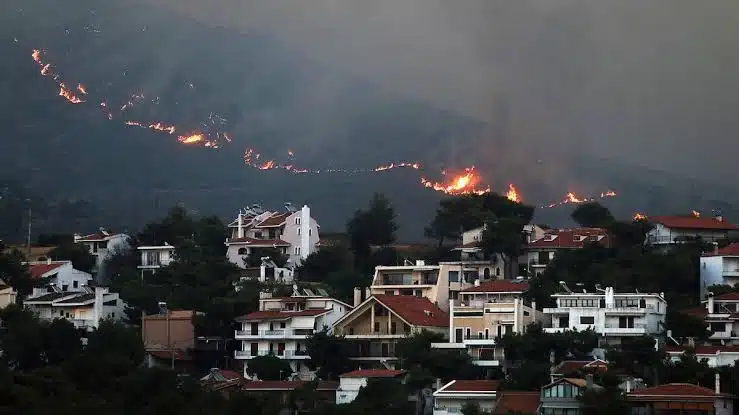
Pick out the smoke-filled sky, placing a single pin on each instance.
(652, 82)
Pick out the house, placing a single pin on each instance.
(562, 395)
(61, 274)
(613, 316)
(470, 248)
(168, 337)
(485, 311)
(155, 257)
(541, 252)
(721, 313)
(380, 321)
(437, 283)
(223, 381)
(350, 383)
(85, 308)
(681, 398)
(103, 245)
(283, 324)
(7, 294)
(515, 402)
(719, 267)
(715, 356)
(669, 230)
(452, 397)
(577, 368)
(268, 272)
(293, 233)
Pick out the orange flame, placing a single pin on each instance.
(465, 183)
(161, 127)
(36, 54)
(696, 213)
(82, 89)
(391, 166)
(572, 198)
(512, 194)
(609, 193)
(45, 69)
(64, 92)
(191, 139)
(639, 216)
(267, 165)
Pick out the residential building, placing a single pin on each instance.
(681, 398)
(561, 397)
(61, 274)
(223, 381)
(668, 230)
(715, 356)
(719, 267)
(155, 257)
(268, 272)
(376, 325)
(470, 248)
(452, 397)
(577, 368)
(613, 316)
(84, 308)
(283, 324)
(721, 314)
(437, 283)
(515, 402)
(293, 233)
(350, 383)
(168, 336)
(485, 311)
(103, 245)
(541, 252)
(7, 294)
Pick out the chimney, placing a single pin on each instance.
(589, 381)
(240, 225)
(367, 293)
(717, 383)
(357, 296)
(477, 283)
(48, 261)
(628, 385)
(533, 306)
(709, 304)
(305, 236)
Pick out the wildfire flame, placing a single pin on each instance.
(391, 166)
(191, 139)
(81, 89)
(45, 69)
(572, 198)
(639, 216)
(36, 54)
(64, 92)
(696, 213)
(161, 127)
(512, 194)
(465, 183)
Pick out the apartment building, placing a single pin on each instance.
(155, 257)
(60, 274)
(293, 233)
(562, 397)
(611, 315)
(351, 383)
(282, 326)
(85, 308)
(719, 267)
(380, 321)
(669, 230)
(541, 252)
(715, 356)
(721, 313)
(486, 311)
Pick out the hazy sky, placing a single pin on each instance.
(653, 82)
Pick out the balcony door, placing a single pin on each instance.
(254, 329)
(458, 335)
(626, 322)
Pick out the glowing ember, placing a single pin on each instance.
(191, 139)
(133, 123)
(465, 183)
(696, 213)
(45, 69)
(36, 54)
(512, 194)
(572, 198)
(639, 216)
(267, 165)
(391, 166)
(81, 89)
(161, 127)
(64, 92)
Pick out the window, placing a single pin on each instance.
(568, 303)
(627, 302)
(351, 331)
(393, 327)
(298, 231)
(258, 235)
(297, 220)
(377, 327)
(718, 327)
(75, 284)
(588, 302)
(487, 333)
(468, 333)
(564, 322)
(280, 349)
(65, 287)
(242, 251)
(486, 274)
(453, 276)
(418, 293)
(282, 324)
(587, 320)
(310, 232)
(406, 292)
(497, 272)
(458, 335)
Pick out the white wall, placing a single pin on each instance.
(711, 272)
(661, 234)
(349, 389)
(444, 405)
(67, 275)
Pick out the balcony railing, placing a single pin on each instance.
(619, 326)
(274, 333)
(285, 354)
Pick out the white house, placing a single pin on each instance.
(613, 316)
(541, 252)
(103, 245)
(7, 294)
(452, 397)
(721, 313)
(282, 326)
(350, 383)
(674, 229)
(294, 233)
(715, 356)
(155, 257)
(85, 309)
(61, 274)
(720, 267)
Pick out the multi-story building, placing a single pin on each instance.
(85, 308)
(61, 274)
(681, 398)
(470, 249)
(437, 283)
(613, 316)
(103, 245)
(715, 356)
(376, 325)
(486, 311)
(669, 230)
(720, 267)
(452, 397)
(168, 337)
(563, 396)
(155, 257)
(721, 313)
(293, 233)
(540, 252)
(282, 326)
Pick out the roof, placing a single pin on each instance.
(569, 367)
(468, 245)
(77, 299)
(691, 222)
(732, 296)
(373, 373)
(674, 391)
(418, 311)
(517, 402)
(280, 385)
(221, 375)
(98, 236)
(499, 286)
(38, 270)
(274, 220)
(48, 297)
(258, 242)
(704, 350)
(281, 315)
(471, 386)
(566, 238)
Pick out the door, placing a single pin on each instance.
(254, 329)
(254, 349)
(458, 335)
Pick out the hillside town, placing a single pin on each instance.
(495, 315)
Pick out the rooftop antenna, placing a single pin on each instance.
(289, 207)
(564, 285)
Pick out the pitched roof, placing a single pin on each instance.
(517, 402)
(731, 296)
(39, 269)
(571, 238)
(280, 385)
(48, 297)
(418, 311)
(674, 391)
(97, 236)
(83, 297)
(570, 367)
(274, 220)
(499, 286)
(258, 242)
(691, 222)
(472, 386)
(221, 375)
(468, 245)
(728, 250)
(373, 373)
(280, 315)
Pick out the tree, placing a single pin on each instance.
(394, 398)
(689, 370)
(14, 273)
(269, 367)
(374, 226)
(592, 215)
(329, 355)
(472, 408)
(416, 352)
(504, 236)
(684, 326)
(608, 400)
(637, 356)
(77, 253)
(255, 258)
(319, 264)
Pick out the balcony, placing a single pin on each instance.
(274, 334)
(473, 341)
(616, 330)
(629, 310)
(556, 310)
(286, 354)
(82, 323)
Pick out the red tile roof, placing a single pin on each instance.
(473, 386)
(373, 373)
(691, 222)
(38, 270)
(277, 385)
(417, 311)
(280, 315)
(274, 220)
(565, 238)
(680, 391)
(728, 250)
(99, 236)
(517, 402)
(499, 286)
(259, 242)
(732, 296)
(704, 350)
